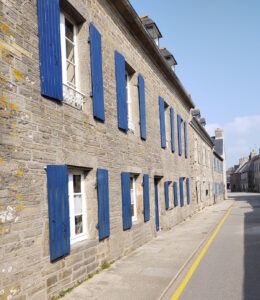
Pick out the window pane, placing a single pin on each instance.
(132, 210)
(78, 204)
(78, 224)
(70, 51)
(69, 30)
(77, 183)
(70, 73)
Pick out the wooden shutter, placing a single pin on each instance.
(58, 208)
(188, 190)
(162, 122)
(126, 201)
(185, 140)
(103, 204)
(181, 192)
(142, 109)
(50, 49)
(179, 121)
(166, 194)
(121, 91)
(175, 193)
(172, 130)
(97, 73)
(146, 197)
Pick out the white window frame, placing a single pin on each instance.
(129, 101)
(84, 235)
(133, 197)
(63, 16)
(167, 125)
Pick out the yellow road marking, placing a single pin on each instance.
(199, 258)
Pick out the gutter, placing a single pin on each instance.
(137, 29)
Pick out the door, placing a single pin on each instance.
(156, 199)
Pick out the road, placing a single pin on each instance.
(231, 267)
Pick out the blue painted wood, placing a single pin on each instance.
(122, 114)
(50, 48)
(175, 193)
(58, 208)
(142, 108)
(162, 122)
(188, 190)
(166, 195)
(179, 121)
(126, 201)
(172, 129)
(146, 197)
(97, 73)
(156, 202)
(181, 191)
(103, 203)
(185, 139)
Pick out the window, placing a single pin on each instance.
(77, 206)
(128, 77)
(133, 198)
(167, 125)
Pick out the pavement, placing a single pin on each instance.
(231, 268)
(151, 271)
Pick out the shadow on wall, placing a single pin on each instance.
(251, 247)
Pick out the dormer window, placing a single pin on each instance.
(152, 29)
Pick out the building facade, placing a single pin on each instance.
(96, 151)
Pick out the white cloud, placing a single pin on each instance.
(241, 135)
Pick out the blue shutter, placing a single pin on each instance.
(179, 120)
(126, 201)
(188, 190)
(58, 208)
(103, 204)
(166, 194)
(121, 91)
(146, 197)
(162, 122)
(172, 130)
(142, 109)
(185, 140)
(50, 48)
(181, 192)
(97, 73)
(175, 193)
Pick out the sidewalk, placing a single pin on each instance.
(146, 273)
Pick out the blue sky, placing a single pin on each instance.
(217, 47)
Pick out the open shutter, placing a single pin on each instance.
(96, 73)
(181, 192)
(172, 129)
(142, 109)
(58, 208)
(126, 200)
(50, 48)
(121, 91)
(188, 190)
(146, 197)
(166, 194)
(175, 193)
(162, 122)
(103, 204)
(179, 120)
(185, 139)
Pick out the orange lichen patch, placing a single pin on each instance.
(2, 160)
(4, 231)
(20, 207)
(4, 28)
(14, 107)
(3, 102)
(19, 173)
(18, 75)
(18, 197)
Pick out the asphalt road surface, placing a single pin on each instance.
(231, 267)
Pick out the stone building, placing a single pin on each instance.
(96, 142)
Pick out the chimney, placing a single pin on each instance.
(152, 29)
(219, 133)
(195, 112)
